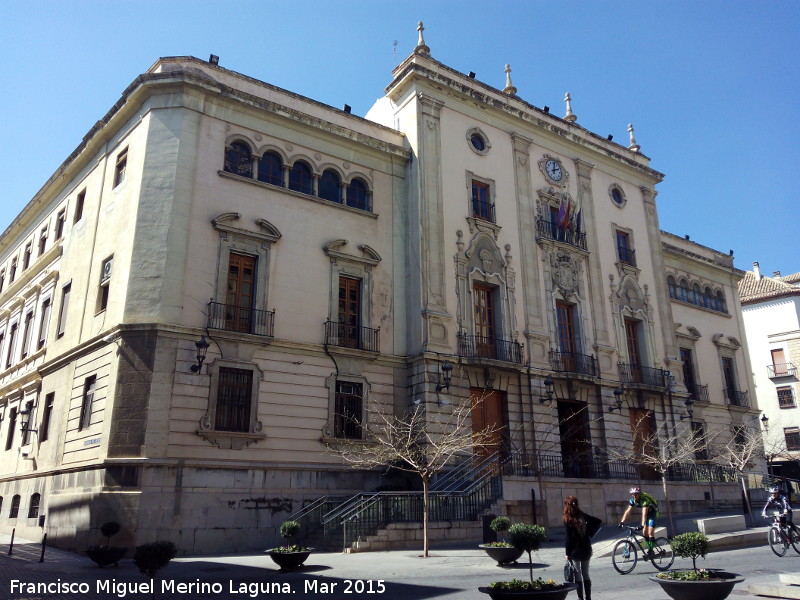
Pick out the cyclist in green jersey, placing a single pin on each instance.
(649, 506)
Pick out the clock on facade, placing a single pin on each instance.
(553, 170)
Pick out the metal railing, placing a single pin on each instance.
(782, 370)
(626, 255)
(698, 392)
(352, 336)
(547, 230)
(483, 210)
(637, 374)
(229, 317)
(569, 362)
(736, 398)
(474, 346)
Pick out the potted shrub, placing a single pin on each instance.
(150, 558)
(289, 556)
(695, 584)
(502, 551)
(527, 538)
(106, 554)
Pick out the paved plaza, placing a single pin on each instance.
(449, 573)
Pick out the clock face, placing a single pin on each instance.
(554, 170)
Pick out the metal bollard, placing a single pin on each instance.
(11, 546)
(44, 545)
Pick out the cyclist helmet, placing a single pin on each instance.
(774, 490)
(635, 490)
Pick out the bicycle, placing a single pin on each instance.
(780, 537)
(625, 554)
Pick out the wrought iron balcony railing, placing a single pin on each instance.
(736, 398)
(782, 370)
(228, 317)
(475, 346)
(570, 362)
(483, 210)
(698, 392)
(352, 336)
(626, 255)
(547, 230)
(639, 375)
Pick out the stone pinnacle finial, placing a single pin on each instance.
(421, 47)
(570, 117)
(634, 147)
(509, 89)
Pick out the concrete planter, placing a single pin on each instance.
(502, 556)
(707, 589)
(289, 560)
(558, 594)
(106, 555)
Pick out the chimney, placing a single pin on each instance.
(756, 270)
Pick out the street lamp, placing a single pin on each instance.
(202, 347)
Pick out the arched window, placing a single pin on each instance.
(721, 306)
(708, 299)
(697, 295)
(12, 514)
(684, 291)
(270, 168)
(239, 159)
(33, 509)
(358, 195)
(300, 178)
(673, 287)
(330, 187)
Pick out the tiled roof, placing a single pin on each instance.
(753, 289)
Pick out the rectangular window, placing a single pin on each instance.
(2, 280)
(688, 371)
(349, 312)
(699, 433)
(785, 397)
(89, 386)
(26, 256)
(240, 294)
(792, 436)
(625, 248)
(779, 366)
(349, 415)
(44, 321)
(61, 219)
(234, 400)
(730, 379)
(485, 342)
(12, 426)
(12, 271)
(566, 328)
(12, 338)
(27, 332)
(482, 207)
(42, 240)
(79, 207)
(105, 284)
(62, 315)
(47, 414)
(121, 167)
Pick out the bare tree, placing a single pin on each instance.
(742, 453)
(419, 442)
(662, 450)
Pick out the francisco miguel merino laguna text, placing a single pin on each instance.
(121, 589)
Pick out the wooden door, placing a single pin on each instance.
(643, 428)
(576, 445)
(634, 351)
(349, 312)
(487, 411)
(484, 321)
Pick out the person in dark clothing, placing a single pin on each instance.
(578, 547)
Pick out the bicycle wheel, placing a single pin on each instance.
(624, 556)
(664, 557)
(794, 540)
(776, 541)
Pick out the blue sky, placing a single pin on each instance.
(710, 86)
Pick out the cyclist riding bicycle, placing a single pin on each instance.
(780, 502)
(649, 506)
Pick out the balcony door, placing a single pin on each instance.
(565, 318)
(576, 446)
(688, 372)
(483, 296)
(240, 292)
(779, 367)
(349, 312)
(487, 411)
(643, 428)
(632, 330)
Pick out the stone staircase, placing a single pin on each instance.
(789, 587)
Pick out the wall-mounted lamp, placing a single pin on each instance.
(25, 419)
(689, 410)
(202, 347)
(617, 400)
(445, 376)
(550, 390)
(764, 421)
(489, 379)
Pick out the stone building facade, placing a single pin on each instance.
(333, 265)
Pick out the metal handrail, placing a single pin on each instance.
(352, 336)
(229, 317)
(476, 346)
(638, 374)
(736, 398)
(464, 472)
(571, 362)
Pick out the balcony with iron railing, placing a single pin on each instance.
(352, 336)
(570, 362)
(627, 256)
(547, 230)
(478, 347)
(781, 370)
(636, 375)
(698, 392)
(228, 317)
(736, 398)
